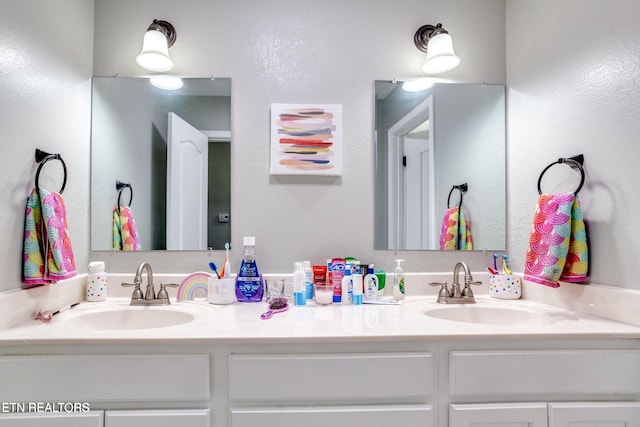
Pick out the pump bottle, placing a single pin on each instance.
(398, 280)
(299, 288)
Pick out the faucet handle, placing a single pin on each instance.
(466, 291)
(137, 292)
(163, 294)
(443, 284)
(444, 292)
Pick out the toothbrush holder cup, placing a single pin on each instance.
(505, 286)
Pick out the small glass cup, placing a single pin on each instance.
(275, 289)
(323, 293)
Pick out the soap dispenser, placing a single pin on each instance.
(398, 280)
(299, 287)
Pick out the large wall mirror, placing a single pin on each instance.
(432, 144)
(172, 148)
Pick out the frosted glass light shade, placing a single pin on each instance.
(155, 52)
(440, 55)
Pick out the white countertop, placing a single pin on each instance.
(241, 323)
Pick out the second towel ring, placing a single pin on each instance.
(43, 157)
(574, 162)
(120, 186)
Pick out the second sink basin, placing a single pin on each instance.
(131, 318)
(489, 312)
(488, 315)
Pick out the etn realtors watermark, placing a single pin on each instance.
(46, 407)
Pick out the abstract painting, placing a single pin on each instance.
(306, 139)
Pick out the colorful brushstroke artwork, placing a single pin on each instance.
(306, 139)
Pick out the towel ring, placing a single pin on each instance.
(574, 162)
(120, 186)
(43, 157)
(462, 188)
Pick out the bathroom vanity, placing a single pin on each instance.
(518, 363)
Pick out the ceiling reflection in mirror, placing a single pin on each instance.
(431, 145)
(173, 149)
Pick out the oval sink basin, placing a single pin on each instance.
(131, 318)
(497, 315)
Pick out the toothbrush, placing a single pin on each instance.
(277, 305)
(212, 266)
(505, 264)
(495, 261)
(46, 316)
(226, 268)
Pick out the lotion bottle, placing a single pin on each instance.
(398, 280)
(370, 284)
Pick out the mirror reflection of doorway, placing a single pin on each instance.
(416, 177)
(411, 182)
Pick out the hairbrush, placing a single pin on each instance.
(276, 305)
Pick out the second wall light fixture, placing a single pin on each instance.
(159, 37)
(438, 45)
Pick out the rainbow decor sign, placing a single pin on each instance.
(306, 139)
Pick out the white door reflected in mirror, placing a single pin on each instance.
(187, 169)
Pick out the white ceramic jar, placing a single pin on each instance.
(96, 282)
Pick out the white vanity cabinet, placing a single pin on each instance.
(533, 375)
(336, 389)
(429, 382)
(104, 383)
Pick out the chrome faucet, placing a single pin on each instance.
(150, 297)
(456, 295)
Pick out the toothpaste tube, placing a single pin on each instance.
(336, 274)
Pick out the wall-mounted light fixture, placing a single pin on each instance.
(438, 45)
(159, 37)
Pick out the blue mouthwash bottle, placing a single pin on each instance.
(249, 286)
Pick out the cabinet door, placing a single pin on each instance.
(594, 414)
(503, 414)
(88, 419)
(379, 416)
(158, 418)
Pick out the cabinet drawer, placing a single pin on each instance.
(158, 418)
(574, 372)
(40, 419)
(601, 414)
(379, 416)
(499, 414)
(96, 378)
(402, 377)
